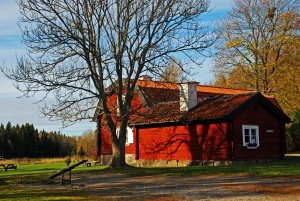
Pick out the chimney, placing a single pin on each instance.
(145, 77)
(188, 95)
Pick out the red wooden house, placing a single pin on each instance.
(187, 123)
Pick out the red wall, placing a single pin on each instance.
(106, 146)
(195, 142)
(270, 146)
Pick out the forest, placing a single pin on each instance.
(27, 141)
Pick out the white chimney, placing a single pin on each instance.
(188, 95)
(145, 77)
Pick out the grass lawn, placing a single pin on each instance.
(21, 184)
(44, 168)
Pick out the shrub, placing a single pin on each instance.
(68, 160)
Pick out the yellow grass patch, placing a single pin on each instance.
(24, 161)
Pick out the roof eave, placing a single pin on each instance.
(224, 118)
(153, 123)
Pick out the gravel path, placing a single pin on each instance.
(123, 187)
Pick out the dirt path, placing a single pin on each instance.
(123, 187)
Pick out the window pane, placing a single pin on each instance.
(253, 135)
(247, 135)
(247, 139)
(253, 139)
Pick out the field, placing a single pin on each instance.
(266, 181)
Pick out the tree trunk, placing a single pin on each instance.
(118, 156)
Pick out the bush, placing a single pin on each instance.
(68, 161)
(294, 132)
(81, 152)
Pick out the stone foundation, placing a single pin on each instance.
(130, 159)
(106, 159)
(179, 163)
(163, 163)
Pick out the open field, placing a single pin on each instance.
(269, 181)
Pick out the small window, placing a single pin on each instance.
(250, 136)
(129, 135)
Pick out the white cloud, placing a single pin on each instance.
(221, 4)
(10, 36)
(8, 9)
(8, 56)
(22, 110)
(8, 17)
(6, 87)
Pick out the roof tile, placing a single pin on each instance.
(216, 107)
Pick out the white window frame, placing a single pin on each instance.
(129, 135)
(250, 127)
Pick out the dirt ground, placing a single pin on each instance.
(171, 188)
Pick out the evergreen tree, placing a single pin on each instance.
(2, 129)
(81, 152)
(6, 140)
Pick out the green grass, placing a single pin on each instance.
(289, 167)
(21, 184)
(44, 168)
(14, 183)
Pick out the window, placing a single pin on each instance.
(250, 136)
(129, 135)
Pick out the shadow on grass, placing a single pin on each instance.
(2, 182)
(43, 194)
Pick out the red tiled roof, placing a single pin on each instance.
(200, 88)
(216, 107)
(219, 90)
(156, 84)
(163, 93)
(158, 95)
(157, 92)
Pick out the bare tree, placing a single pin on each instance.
(254, 38)
(174, 72)
(82, 51)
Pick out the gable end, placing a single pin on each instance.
(258, 97)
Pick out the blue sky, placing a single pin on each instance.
(23, 110)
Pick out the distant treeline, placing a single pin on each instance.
(26, 141)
